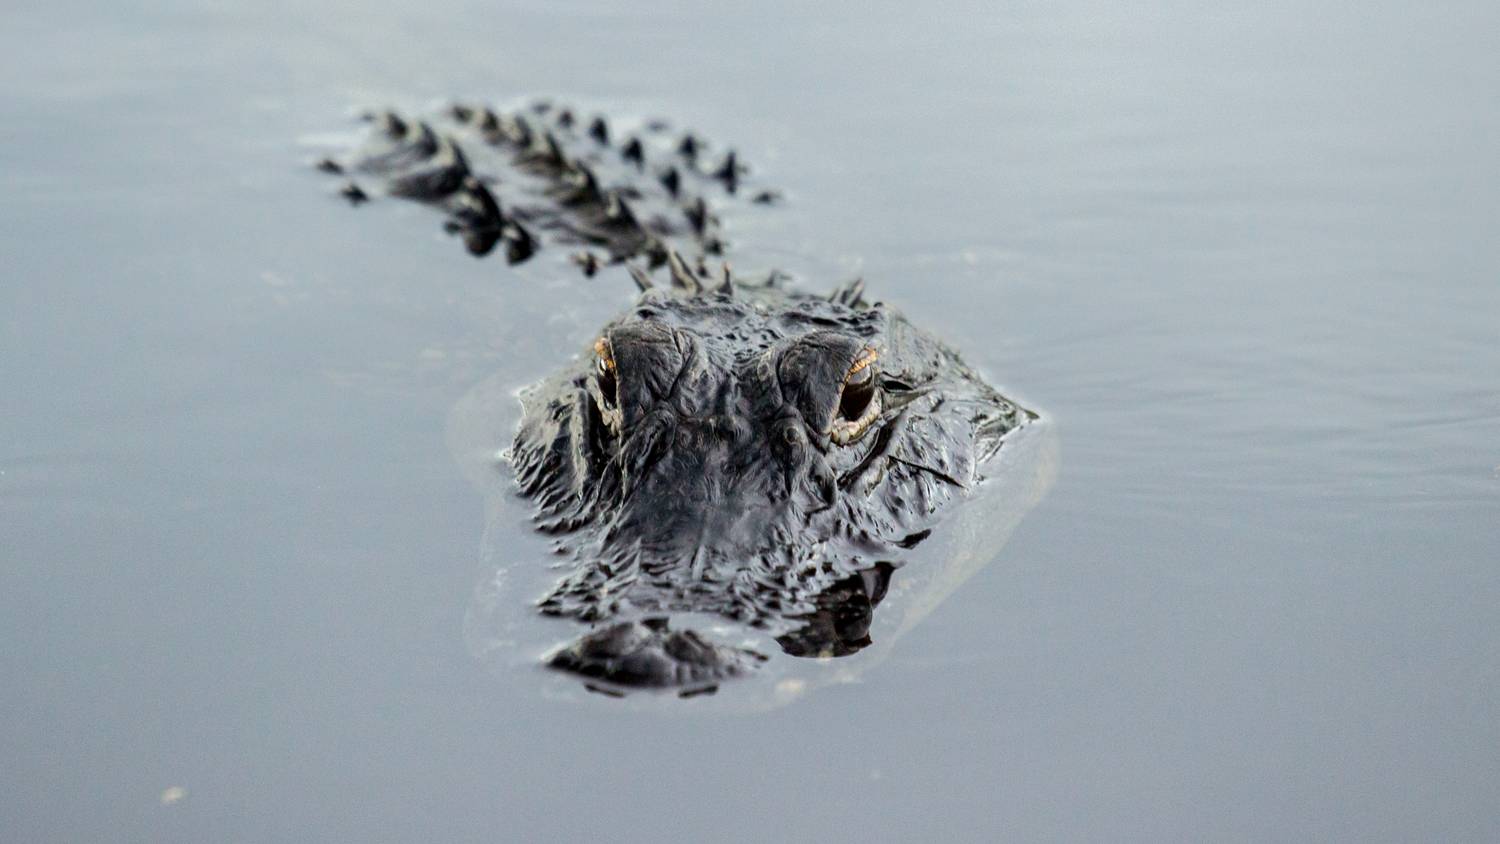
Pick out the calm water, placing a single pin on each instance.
(1246, 260)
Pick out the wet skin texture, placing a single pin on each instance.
(735, 450)
(514, 182)
(761, 455)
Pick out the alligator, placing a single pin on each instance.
(560, 180)
(732, 468)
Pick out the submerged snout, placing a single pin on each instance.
(648, 654)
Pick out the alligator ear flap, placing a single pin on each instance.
(851, 294)
(641, 279)
(681, 275)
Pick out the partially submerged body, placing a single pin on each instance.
(706, 525)
(731, 472)
(514, 181)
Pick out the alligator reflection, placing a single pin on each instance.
(649, 653)
(840, 625)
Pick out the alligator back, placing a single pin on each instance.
(512, 182)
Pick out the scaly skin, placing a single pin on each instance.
(692, 461)
(536, 176)
(737, 450)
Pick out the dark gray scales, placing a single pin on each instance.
(521, 180)
(760, 455)
(725, 449)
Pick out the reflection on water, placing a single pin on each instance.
(840, 625)
(1243, 257)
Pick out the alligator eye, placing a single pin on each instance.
(607, 383)
(859, 400)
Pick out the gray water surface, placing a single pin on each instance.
(1244, 259)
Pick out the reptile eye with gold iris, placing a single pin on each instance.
(859, 400)
(607, 385)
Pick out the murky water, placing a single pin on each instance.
(1244, 259)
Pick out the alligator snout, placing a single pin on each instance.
(647, 653)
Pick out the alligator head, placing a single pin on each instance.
(750, 453)
(752, 457)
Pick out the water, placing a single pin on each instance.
(1244, 259)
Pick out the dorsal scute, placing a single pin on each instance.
(621, 189)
